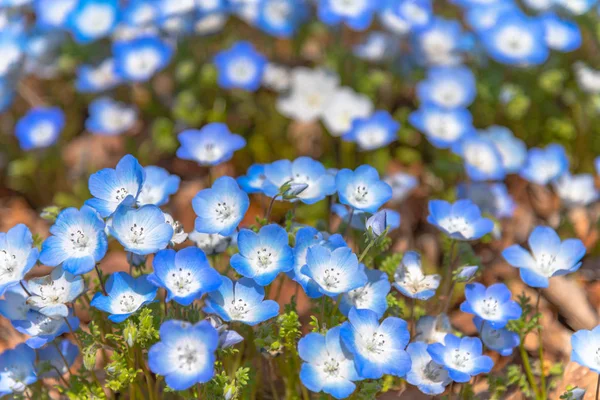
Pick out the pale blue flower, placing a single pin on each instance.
(410, 280)
(460, 221)
(585, 346)
(500, 340)
(17, 255)
(137, 60)
(443, 128)
(448, 87)
(462, 357)
(372, 296)
(51, 361)
(492, 304)
(91, 20)
(240, 67)
(40, 127)
(108, 117)
(17, 370)
(141, 230)
(430, 377)
(158, 186)
(51, 293)
(43, 329)
(545, 165)
(362, 189)
(211, 145)
(373, 132)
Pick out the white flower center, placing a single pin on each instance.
(42, 133)
(241, 70)
(136, 234)
(546, 263)
(459, 359)
(433, 371)
(238, 309)
(210, 152)
(128, 302)
(188, 356)
(331, 278)
(375, 344)
(331, 367)
(488, 307)
(53, 293)
(264, 258)
(181, 281)
(455, 224)
(224, 212)
(361, 193)
(515, 41)
(8, 264)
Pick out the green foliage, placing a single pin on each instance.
(367, 390)
(529, 320)
(396, 306)
(515, 376)
(120, 374)
(223, 387)
(290, 327)
(390, 263)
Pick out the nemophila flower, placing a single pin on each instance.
(586, 348)
(549, 257)
(97, 78)
(343, 108)
(410, 280)
(492, 304)
(462, 357)
(211, 243)
(158, 186)
(372, 296)
(461, 220)
(138, 59)
(588, 79)
(125, 295)
(281, 18)
(448, 87)
(334, 271)
(186, 274)
(513, 151)
(373, 132)
(51, 293)
(310, 92)
(179, 234)
(114, 187)
(305, 238)
(240, 67)
(516, 39)
(17, 255)
(430, 377)
(93, 19)
(141, 230)
(377, 46)
(276, 77)
(221, 208)
(481, 158)
(442, 127)
(576, 190)
(378, 349)
(491, 198)
(227, 337)
(17, 370)
(78, 241)
(483, 17)
(108, 117)
(327, 367)
(466, 273)
(356, 14)
(432, 329)
(263, 255)
(52, 14)
(575, 7)
(500, 340)
(211, 145)
(310, 174)
(243, 302)
(362, 189)
(402, 184)
(14, 306)
(545, 165)
(377, 223)
(254, 179)
(51, 361)
(360, 218)
(560, 34)
(185, 354)
(44, 329)
(40, 127)
(440, 42)
(405, 15)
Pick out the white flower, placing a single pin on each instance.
(343, 108)
(179, 235)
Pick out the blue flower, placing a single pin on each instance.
(186, 274)
(439, 42)
(402, 184)
(378, 349)
(44, 329)
(240, 67)
(281, 18)
(14, 306)
(410, 280)
(94, 79)
(254, 179)
(263, 255)
(327, 367)
(516, 39)
(560, 34)
(51, 293)
(303, 171)
(360, 218)
(513, 151)
(585, 347)
(482, 160)
(430, 377)
(243, 302)
(108, 117)
(17, 370)
(193, 346)
(460, 221)
(462, 357)
(53, 14)
(377, 224)
(443, 128)
(357, 15)
(158, 186)
(113, 187)
(93, 19)
(448, 87)
(577, 190)
(51, 362)
(549, 257)
(211, 145)
(492, 304)
(491, 198)
(124, 296)
(334, 271)
(211, 243)
(377, 47)
(432, 329)
(40, 127)
(221, 208)
(227, 337)
(78, 241)
(404, 16)
(17, 255)
(137, 60)
(373, 132)
(500, 340)
(141, 230)
(483, 17)
(575, 7)
(362, 189)
(372, 296)
(140, 13)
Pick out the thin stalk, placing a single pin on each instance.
(366, 250)
(527, 366)
(347, 229)
(322, 309)
(24, 288)
(268, 213)
(272, 381)
(61, 378)
(100, 279)
(63, 358)
(541, 349)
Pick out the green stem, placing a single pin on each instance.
(527, 366)
(268, 213)
(62, 356)
(366, 250)
(541, 349)
(100, 279)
